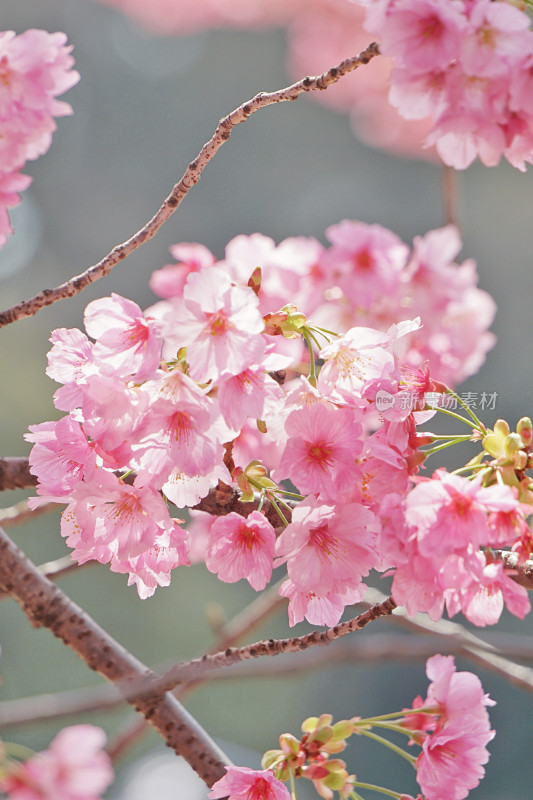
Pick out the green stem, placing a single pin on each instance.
(290, 494)
(324, 330)
(463, 437)
(279, 511)
(312, 365)
(469, 411)
(391, 726)
(292, 782)
(403, 713)
(453, 414)
(373, 788)
(438, 447)
(467, 468)
(284, 503)
(398, 750)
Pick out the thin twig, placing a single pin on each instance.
(450, 195)
(47, 606)
(373, 649)
(191, 176)
(197, 667)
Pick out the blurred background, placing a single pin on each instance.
(142, 110)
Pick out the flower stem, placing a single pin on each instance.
(398, 750)
(374, 788)
(292, 782)
(312, 366)
(279, 511)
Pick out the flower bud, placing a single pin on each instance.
(525, 429)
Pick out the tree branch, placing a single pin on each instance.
(15, 474)
(191, 176)
(197, 667)
(47, 606)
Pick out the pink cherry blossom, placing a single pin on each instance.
(242, 783)
(75, 767)
(108, 518)
(425, 34)
(453, 755)
(246, 395)
(456, 62)
(317, 609)
(11, 183)
(177, 432)
(153, 567)
(323, 445)
(368, 258)
(242, 548)
(170, 280)
(35, 67)
(60, 458)
(218, 323)
(328, 548)
(126, 340)
(450, 512)
(481, 590)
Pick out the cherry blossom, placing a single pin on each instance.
(322, 447)
(128, 342)
(453, 754)
(35, 67)
(75, 767)
(241, 548)
(328, 549)
(242, 783)
(218, 323)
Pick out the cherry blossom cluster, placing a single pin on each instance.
(35, 67)
(467, 64)
(451, 726)
(75, 767)
(206, 388)
(366, 276)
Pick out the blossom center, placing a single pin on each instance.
(136, 334)
(320, 453)
(217, 324)
(364, 260)
(6, 74)
(260, 790)
(431, 27)
(322, 540)
(181, 427)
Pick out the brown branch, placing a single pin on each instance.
(47, 606)
(255, 613)
(370, 650)
(191, 176)
(15, 474)
(197, 667)
(221, 500)
(522, 570)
